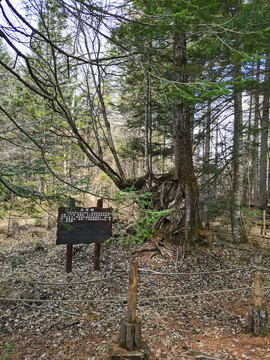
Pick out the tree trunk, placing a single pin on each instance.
(247, 157)
(206, 161)
(257, 117)
(264, 139)
(147, 125)
(237, 188)
(184, 170)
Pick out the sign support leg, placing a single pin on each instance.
(97, 256)
(69, 258)
(97, 245)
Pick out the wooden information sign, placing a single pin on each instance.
(84, 226)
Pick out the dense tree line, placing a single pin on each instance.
(169, 98)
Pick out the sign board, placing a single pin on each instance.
(84, 225)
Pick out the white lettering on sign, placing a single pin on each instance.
(83, 215)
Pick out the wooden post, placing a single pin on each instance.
(132, 293)
(130, 330)
(97, 256)
(263, 230)
(97, 245)
(258, 316)
(69, 258)
(257, 285)
(100, 203)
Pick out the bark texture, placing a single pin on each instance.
(206, 174)
(255, 153)
(237, 188)
(147, 125)
(264, 139)
(184, 170)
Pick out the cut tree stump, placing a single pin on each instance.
(258, 321)
(130, 335)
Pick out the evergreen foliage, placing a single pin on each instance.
(142, 95)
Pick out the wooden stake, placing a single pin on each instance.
(130, 330)
(69, 258)
(263, 231)
(97, 245)
(132, 293)
(257, 286)
(258, 316)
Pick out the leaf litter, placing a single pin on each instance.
(77, 315)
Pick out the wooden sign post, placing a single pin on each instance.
(97, 245)
(69, 258)
(84, 226)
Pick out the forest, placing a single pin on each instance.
(168, 99)
(161, 109)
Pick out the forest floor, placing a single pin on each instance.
(77, 315)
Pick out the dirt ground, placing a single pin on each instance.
(77, 315)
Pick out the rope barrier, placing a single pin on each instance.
(62, 300)
(175, 297)
(195, 273)
(143, 299)
(64, 284)
(34, 282)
